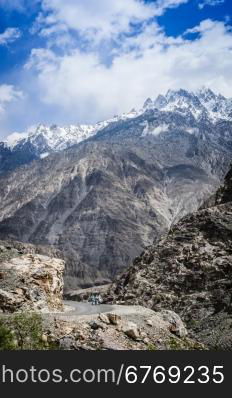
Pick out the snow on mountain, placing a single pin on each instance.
(56, 138)
(14, 138)
(162, 128)
(203, 103)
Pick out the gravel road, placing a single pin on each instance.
(77, 308)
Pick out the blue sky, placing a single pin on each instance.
(80, 61)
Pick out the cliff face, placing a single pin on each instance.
(190, 272)
(30, 282)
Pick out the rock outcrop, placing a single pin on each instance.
(125, 328)
(190, 272)
(30, 282)
(13, 248)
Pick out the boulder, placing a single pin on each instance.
(31, 283)
(104, 318)
(176, 325)
(114, 319)
(131, 330)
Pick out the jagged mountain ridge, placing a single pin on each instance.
(102, 201)
(39, 142)
(203, 103)
(190, 272)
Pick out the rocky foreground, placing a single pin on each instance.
(33, 283)
(177, 294)
(190, 272)
(122, 328)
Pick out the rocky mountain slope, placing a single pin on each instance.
(190, 272)
(102, 201)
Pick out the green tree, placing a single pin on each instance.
(22, 331)
(28, 331)
(6, 338)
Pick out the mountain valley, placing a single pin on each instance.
(119, 188)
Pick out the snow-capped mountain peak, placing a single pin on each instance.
(51, 138)
(148, 103)
(56, 138)
(206, 94)
(202, 104)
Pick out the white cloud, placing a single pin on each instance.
(162, 5)
(94, 20)
(8, 94)
(146, 65)
(98, 20)
(9, 35)
(210, 3)
(15, 137)
(97, 63)
(204, 26)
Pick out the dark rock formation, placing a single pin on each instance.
(190, 272)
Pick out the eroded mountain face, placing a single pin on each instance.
(103, 201)
(190, 272)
